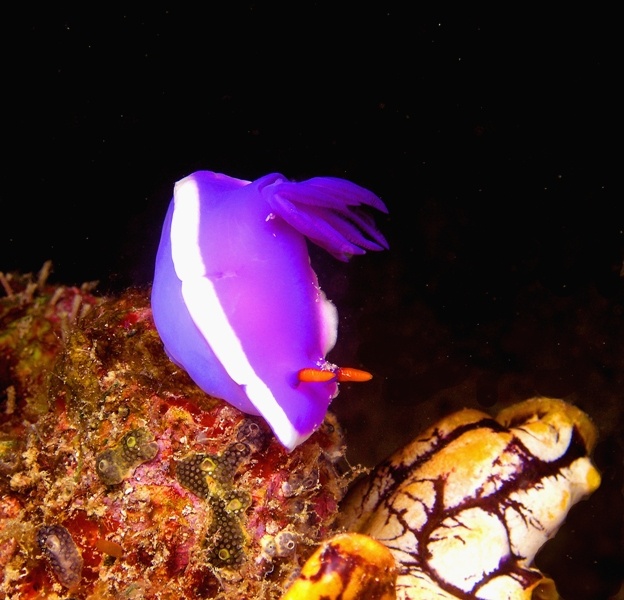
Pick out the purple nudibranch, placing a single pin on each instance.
(235, 300)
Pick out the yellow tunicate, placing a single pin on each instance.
(593, 480)
(349, 566)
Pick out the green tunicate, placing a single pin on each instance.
(212, 477)
(192, 471)
(225, 537)
(119, 462)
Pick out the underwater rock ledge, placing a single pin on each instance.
(121, 478)
(112, 460)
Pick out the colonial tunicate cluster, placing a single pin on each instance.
(192, 473)
(64, 557)
(210, 477)
(285, 543)
(119, 462)
(79, 397)
(205, 474)
(225, 534)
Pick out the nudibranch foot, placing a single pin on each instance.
(235, 300)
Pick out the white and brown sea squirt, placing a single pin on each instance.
(465, 507)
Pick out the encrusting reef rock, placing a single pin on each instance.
(112, 459)
(120, 478)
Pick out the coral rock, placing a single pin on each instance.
(114, 461)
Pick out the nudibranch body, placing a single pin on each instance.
(234, 297)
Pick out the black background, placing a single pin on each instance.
(493, 137)
(507, 120)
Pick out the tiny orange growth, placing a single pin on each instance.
(109, 547)
(349, 374)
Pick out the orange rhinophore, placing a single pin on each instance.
(342, 374)
(315, 375)
(349, 374)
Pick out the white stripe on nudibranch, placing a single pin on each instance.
(208, 315)
(185, 251)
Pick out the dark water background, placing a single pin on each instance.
(493, 137)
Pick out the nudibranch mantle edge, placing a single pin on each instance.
(235, 299)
